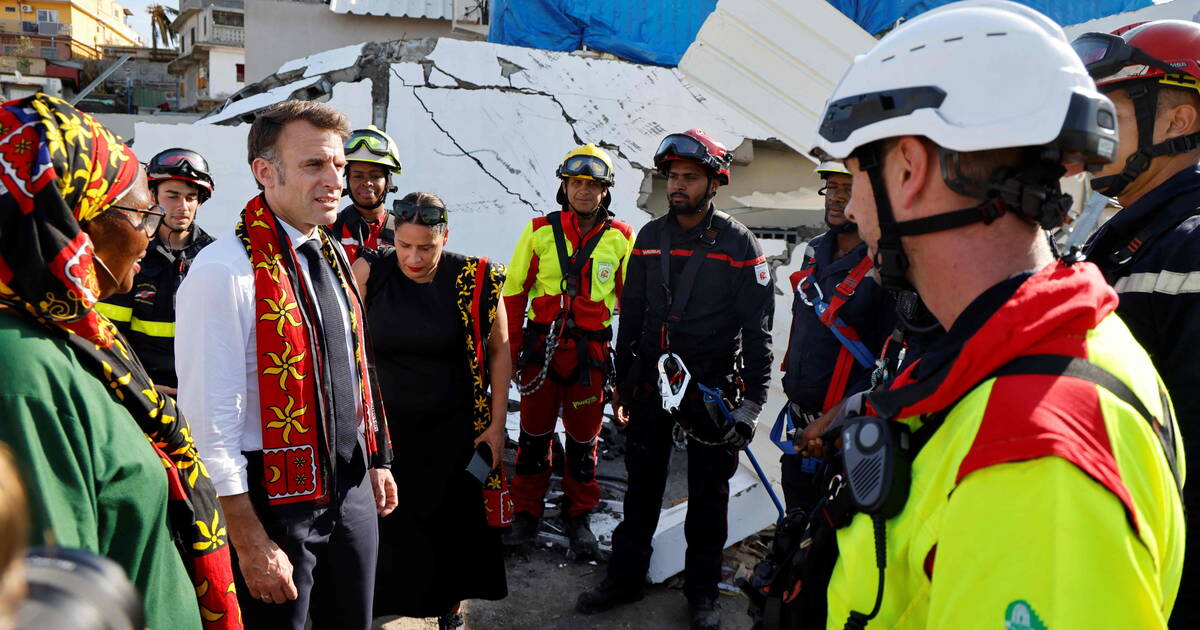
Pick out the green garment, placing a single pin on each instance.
(94, 481)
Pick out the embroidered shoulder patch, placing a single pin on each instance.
(604, 272)
(1020, 616)
(762, 273)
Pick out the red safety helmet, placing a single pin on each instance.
(694, 145)
(1166, 50)
(1143, 59)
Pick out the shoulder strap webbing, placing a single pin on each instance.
(1075, 367)
(572, 266)
(1134, 248)
(845, 290)
(677, 300)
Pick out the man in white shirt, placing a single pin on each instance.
(272, 376)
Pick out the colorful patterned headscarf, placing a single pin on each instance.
(59, 168)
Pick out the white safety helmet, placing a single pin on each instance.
(831, 167)
(970, 76)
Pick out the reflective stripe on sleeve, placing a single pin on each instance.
(1165, 282)
(153, 329)
(114, 312)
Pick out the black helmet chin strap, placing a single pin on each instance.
(1144, 95)
(890, 259)
(1031, 193)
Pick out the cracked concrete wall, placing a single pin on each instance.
(484, 125)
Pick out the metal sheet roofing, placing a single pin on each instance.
(432, 9)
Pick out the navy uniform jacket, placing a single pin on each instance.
(1160, 295)
(812, 348)
(146, 315)
(729, 311)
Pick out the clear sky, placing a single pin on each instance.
(140, 20)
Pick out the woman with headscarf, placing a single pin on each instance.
(109, 463)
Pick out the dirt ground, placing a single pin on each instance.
(542, 588)
(543, 584)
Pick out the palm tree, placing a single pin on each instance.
(160, 24)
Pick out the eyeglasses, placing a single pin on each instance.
(1105, 55)
(425, 215)
(373, 142)
(148, 219)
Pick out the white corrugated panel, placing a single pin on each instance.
(432, 9)
(776, 62)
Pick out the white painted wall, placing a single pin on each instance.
(222, 71)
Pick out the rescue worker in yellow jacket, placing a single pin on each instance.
(568, 269)
(1046, 467)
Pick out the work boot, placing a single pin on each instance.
(524, 530)
(704, 612)
(583, 541)
(606, 595)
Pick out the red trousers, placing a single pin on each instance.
(582, 408)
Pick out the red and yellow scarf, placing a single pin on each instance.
(291, 394)
(59, 169)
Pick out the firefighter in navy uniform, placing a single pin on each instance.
(706, 321)
(568, 268)
(1150, 250)
(371, 159)
(841, 318)
(180, 182)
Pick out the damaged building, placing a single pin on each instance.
(485, 125)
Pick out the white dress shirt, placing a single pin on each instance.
(216, 356)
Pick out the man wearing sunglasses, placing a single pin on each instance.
(1150, 250)
(371, 159)
(180, 182)
(697, 309)
(840, 319)
(568, 269)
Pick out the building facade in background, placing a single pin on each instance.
(62, 30)
(320, 25)
(211, 63)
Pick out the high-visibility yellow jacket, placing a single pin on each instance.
(535, 276)
(1042, 501)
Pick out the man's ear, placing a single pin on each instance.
(264, 171)
(1182, 121)
(912, 159)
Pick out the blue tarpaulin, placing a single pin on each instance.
(877, 15)
(655, 33)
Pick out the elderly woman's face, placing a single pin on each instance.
(118, 244)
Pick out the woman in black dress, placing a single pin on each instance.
(439, 341)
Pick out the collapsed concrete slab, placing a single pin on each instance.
(485, 126)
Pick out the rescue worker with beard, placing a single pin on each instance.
(569, 269)
(841, 318)
(696, 311)
(180, 182)
(1032, 446)
(371, 159)
(1150, 250)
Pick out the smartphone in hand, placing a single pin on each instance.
(481, 462)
